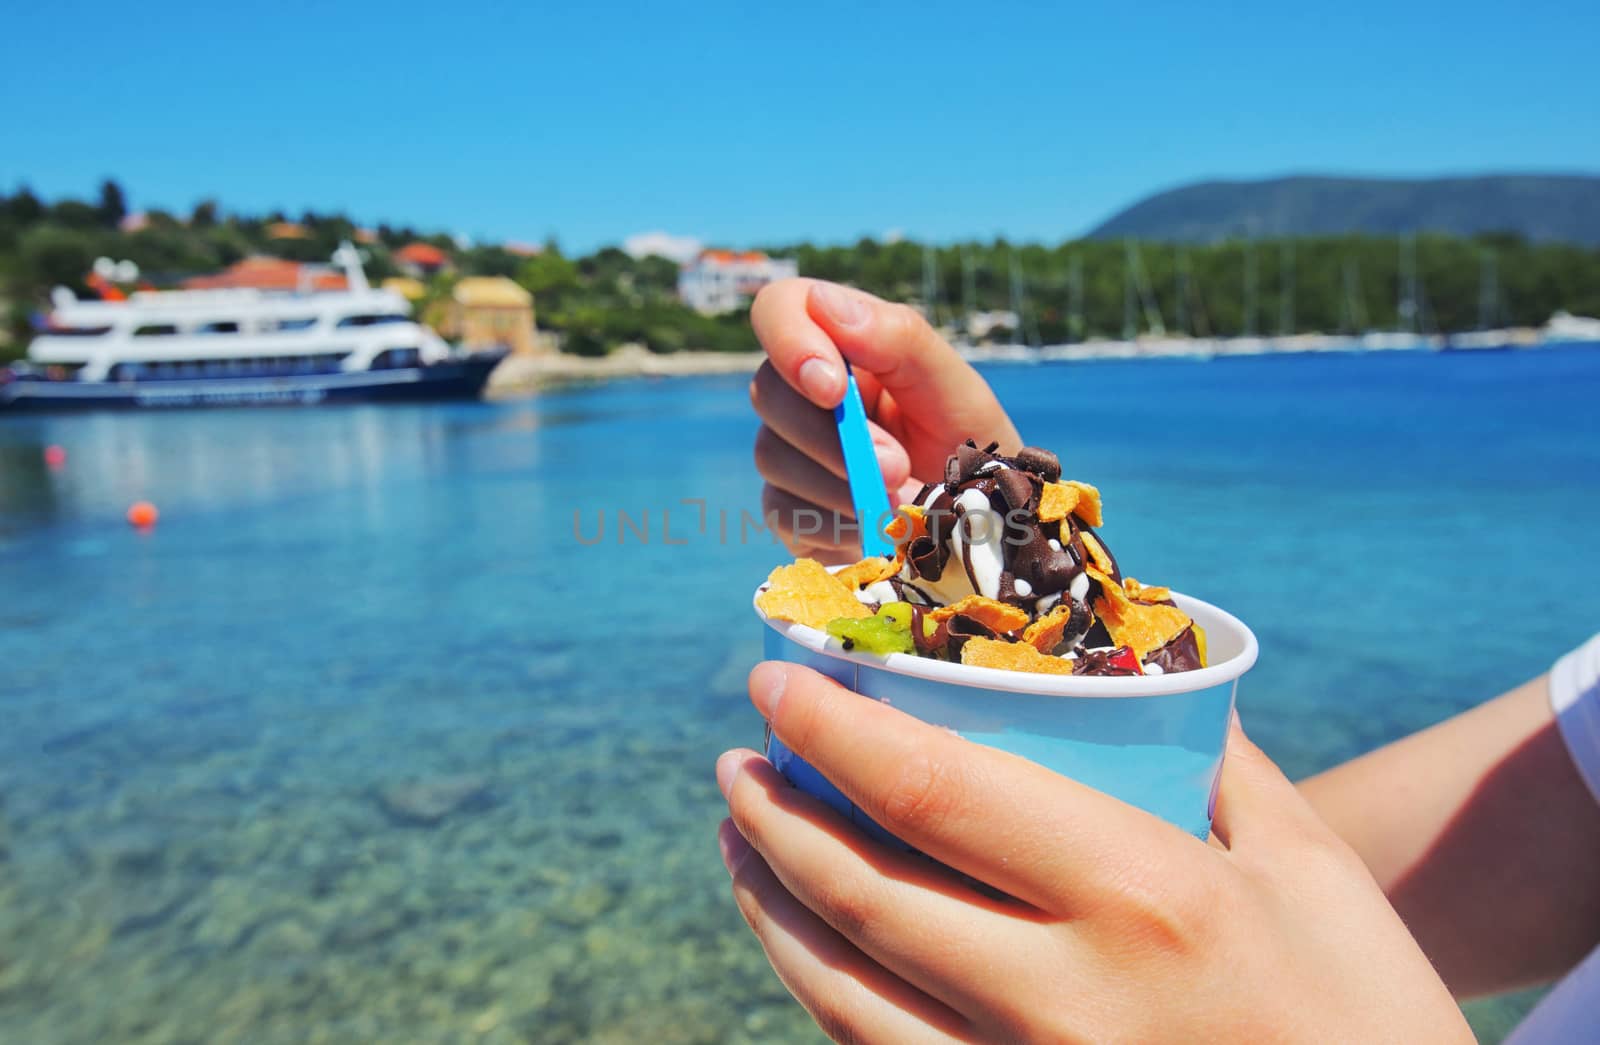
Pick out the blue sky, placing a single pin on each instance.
(759, 123)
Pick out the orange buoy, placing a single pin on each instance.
(143, 514)
(55, 456)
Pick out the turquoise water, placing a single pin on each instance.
(363, 743)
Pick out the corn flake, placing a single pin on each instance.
(1145, 592)
(1045, 633)
(1097, 553)
(808, 594)
(992, 614)
(872, 569)
(1012, 656)
(1057, 501)
(1087, 506)
(1144, 627)
(907, 525)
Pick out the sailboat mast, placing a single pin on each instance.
(1016, 296)
(1286, 288)
(1129, 326)
(1147, 294)
(1075, 330)
(1182, 278)
(1408, 283)
(1027, 326)
(1352, 313)
(1488, 291)
(1252, 279)
(969, 289)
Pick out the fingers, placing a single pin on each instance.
(812, 432)
(1011, 823)
(909, 375)
(803, 355)
(1254, 798)
(803, 424)
(909, 915)
(809, 506)
(805, 529)
(851, 997)
(893, 342)
(925, 378)
(793, 472)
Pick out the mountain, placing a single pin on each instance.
(1559, 207)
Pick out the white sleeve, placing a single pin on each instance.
(1567, 1013)
(1575, 698)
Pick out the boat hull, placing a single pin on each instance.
(453, 379)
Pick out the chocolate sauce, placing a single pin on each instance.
(1039, 562)
(1181, 654)
(1098, 662)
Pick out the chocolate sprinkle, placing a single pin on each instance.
(1011, 487)
(968, 460)
(1019, 489)
(960, 628)
(928, 557)
(1042, 463)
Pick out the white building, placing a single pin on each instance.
(724, 280)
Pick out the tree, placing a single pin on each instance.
(50, 255)
(204, 215)
(546, 273)
(113, 205)
(75, 214)
(24, 207)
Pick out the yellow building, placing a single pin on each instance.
(490, 312)
(410, 289)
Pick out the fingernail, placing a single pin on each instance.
(727, 770)
(734, 847)
(820, 380)
(844, 307)
(766, 687)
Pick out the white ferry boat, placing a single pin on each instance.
(239, 347)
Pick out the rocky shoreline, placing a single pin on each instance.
(521, 375)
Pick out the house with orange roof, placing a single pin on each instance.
(420, 260)
(725, 280)
(264, 273)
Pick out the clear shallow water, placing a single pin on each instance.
(362, 743)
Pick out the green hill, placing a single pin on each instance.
(1538, 207)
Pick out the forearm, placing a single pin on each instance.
(1484, 837)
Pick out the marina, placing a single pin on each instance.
(239, 347)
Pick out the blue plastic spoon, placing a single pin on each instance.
(867, 491)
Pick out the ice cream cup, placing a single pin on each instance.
(1153, 741)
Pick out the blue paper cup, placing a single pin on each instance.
(1153, 741)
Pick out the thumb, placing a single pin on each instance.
(1254, 798)
(927, 378)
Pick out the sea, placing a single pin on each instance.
(399, 725)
